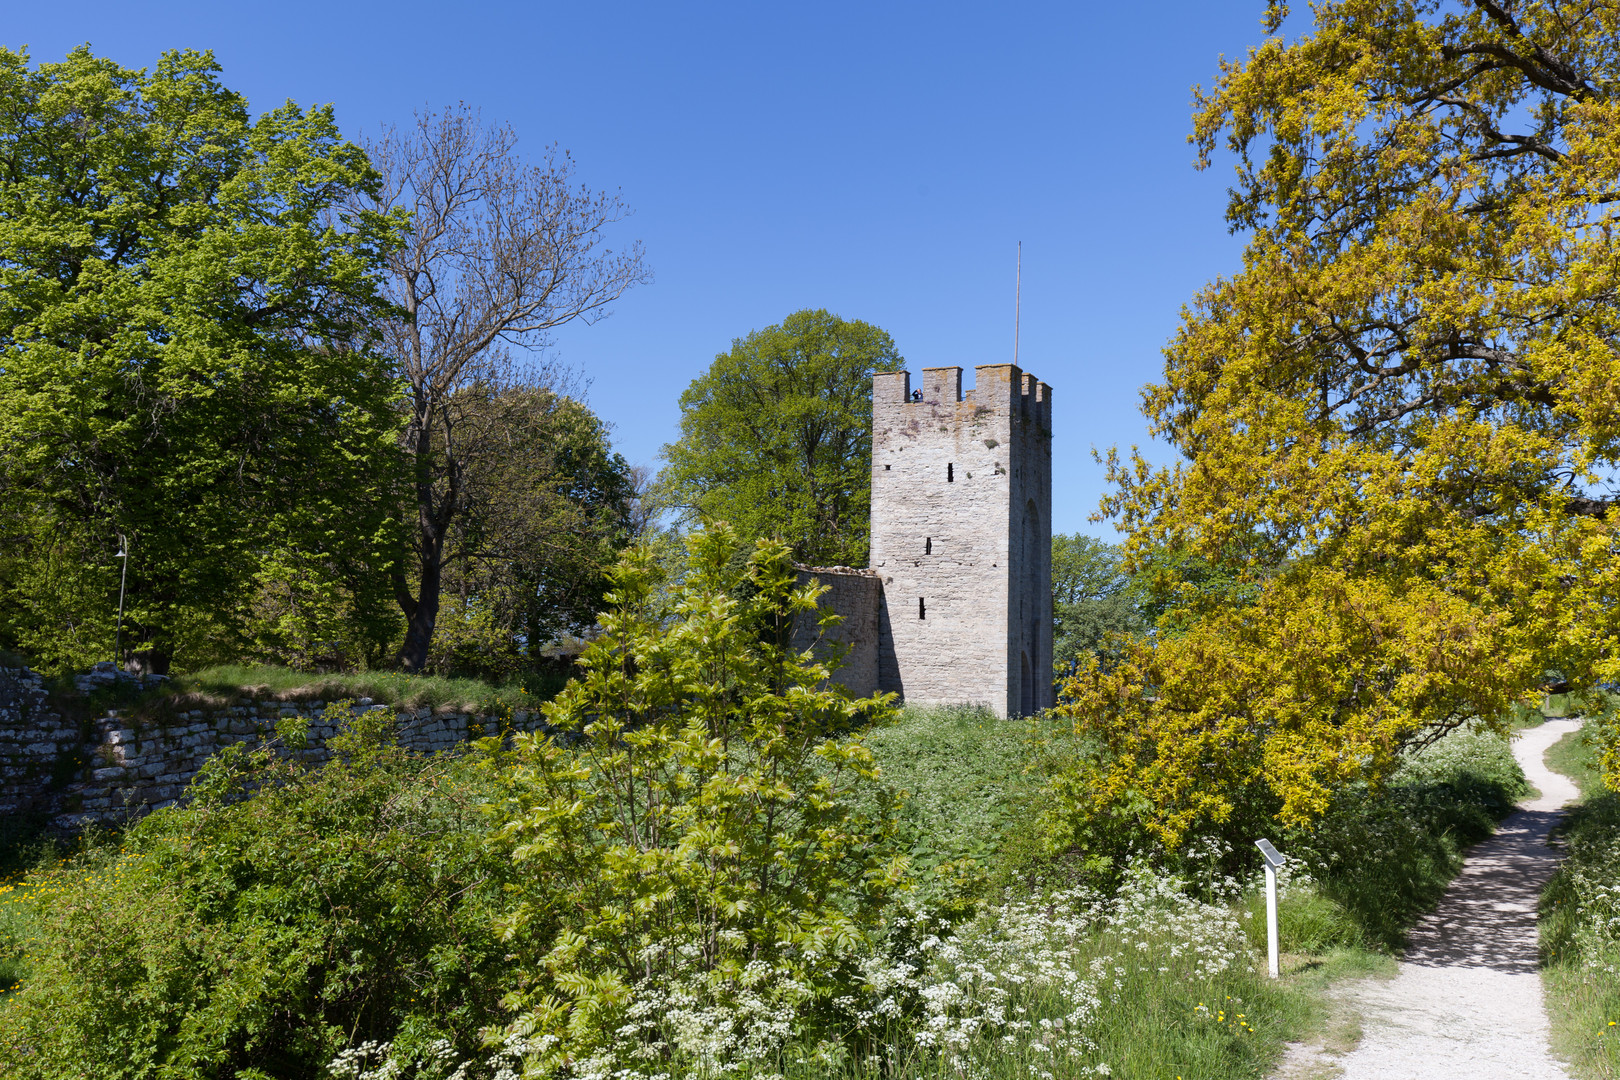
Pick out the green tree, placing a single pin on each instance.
(1398, 420)
(187, 361)
(548, 508)
(499, 253)
(708, 829)
(776, 437)
(1094, 602)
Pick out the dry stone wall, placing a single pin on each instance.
(119, 765)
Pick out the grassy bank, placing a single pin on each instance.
(1580, 921)
(386, 687)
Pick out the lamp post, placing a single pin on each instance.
(123, 575)
(1274, 860)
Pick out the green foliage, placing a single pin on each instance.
(1580, 917)
(1093, 599)
(1173, 585)
(699, 823)
(776, 437)
(964, 813)
(1600, 735)
(186, 331)
(324, 609)
(547, 508)
(1578, 755)
(255, 937)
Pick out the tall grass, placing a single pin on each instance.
(386, 687)
(963, 774)
(1580, 920)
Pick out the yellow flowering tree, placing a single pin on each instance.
(1397, 422)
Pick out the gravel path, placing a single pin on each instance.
(1466, 1002)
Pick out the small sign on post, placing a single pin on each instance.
(1274, 860)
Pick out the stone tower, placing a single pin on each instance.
(962, 537)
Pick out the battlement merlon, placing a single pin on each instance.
(1003, 387)
(891, 388)
(1037, 402)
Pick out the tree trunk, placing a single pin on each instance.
(433, 525)
(423, 615)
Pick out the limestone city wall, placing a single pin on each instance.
(115, 766)
(856, 596)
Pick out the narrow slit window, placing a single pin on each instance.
(928, 545)
(922, 608)
(950, 472)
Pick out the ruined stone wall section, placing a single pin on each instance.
(39, 750)
(856, 596)
(116, 768)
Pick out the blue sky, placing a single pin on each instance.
(879, 160)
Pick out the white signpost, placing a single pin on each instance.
(1274, 859)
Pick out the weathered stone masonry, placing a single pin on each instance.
(114, 767)
(961, 606)
(856, 595)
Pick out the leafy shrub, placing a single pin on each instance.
(704, 834)
(256, 937)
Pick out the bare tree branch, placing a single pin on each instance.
(499, 253)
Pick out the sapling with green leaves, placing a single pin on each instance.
(703, 815)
